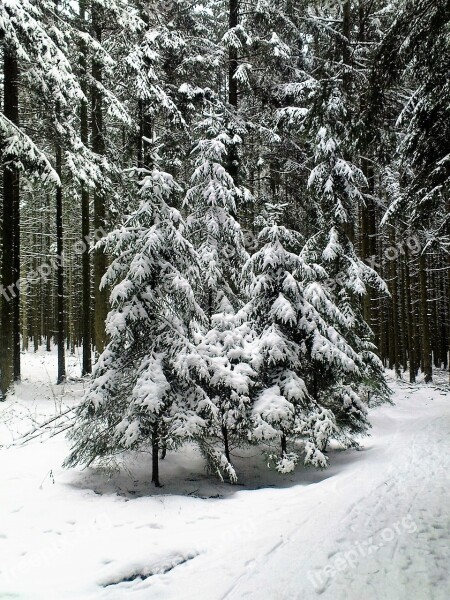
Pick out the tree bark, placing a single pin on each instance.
(226, 443)
(233, 165)
(395, 339)
(60, 272)
(426, 345)
(85, 220)
(10, 307)
(411, 321)
(98, 146)
(155, 455)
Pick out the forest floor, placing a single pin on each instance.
(376, 524)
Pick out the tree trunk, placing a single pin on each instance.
(98, 146)
(395, 338)
(411, 321)
(233, 88)
(60, 272)
(9, 352)
(155, 456)
(403, 328)
(144, 149)
(85, 258)
(16, 277)
(226, 443)
(426, 345)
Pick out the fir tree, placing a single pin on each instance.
(141, 395)
(294, 317)
(219, 240)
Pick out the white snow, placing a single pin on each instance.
(373, 525)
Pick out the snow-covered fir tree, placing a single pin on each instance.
(295, 318)
(219, 240)
(141, 395)
(318, 109)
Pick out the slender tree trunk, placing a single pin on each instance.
(436, 338)
(448, 312)
(44, 310)
(140, 152)
(346, 31)
(9, 359)
(368, 234)
(443, 319)
(226, 443)
(426, 345)
(16, 277)
(383, 333)
(403, 328)
(25, 313)
(233, 164)
(98, 146)
(395, 352)
(349, 227)
(85, 258)
(155, 455)
(144, 149)
(411, 321)
(448, 292)
(60, 272)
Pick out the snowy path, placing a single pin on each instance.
(387, 532)
(374, 525)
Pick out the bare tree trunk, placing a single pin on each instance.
(226, 443)
(155, 455)
(435, 336)
(426, 345)
(16, 277)
(233, 164)
(98, 146)
(395, 337)
(60, 272)
(444, 311)
(448, 294)
(403, 319)
(411, 321)
(85, 258)
(9, 353)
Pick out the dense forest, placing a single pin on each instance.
(236, 213)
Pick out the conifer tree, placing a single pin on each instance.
(217, 235)
(142, 395)
(298, 334)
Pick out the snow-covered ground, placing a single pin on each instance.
(374, 525)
